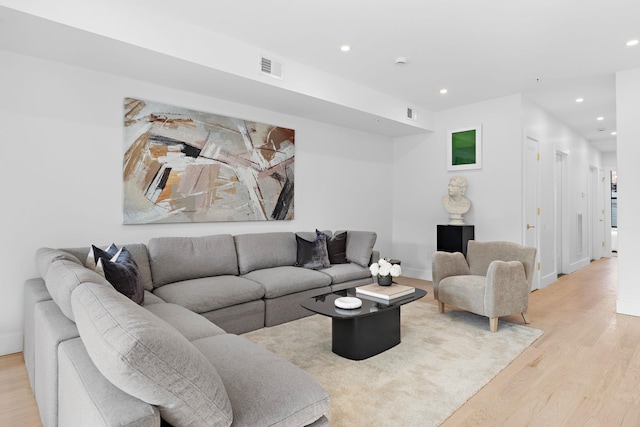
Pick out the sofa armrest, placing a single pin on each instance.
(507, 290)
(87, 398)
(35, 292)
(446, 264)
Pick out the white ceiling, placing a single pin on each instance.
(552, 51)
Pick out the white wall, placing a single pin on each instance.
(628, 128)
(420, 179)
(62, 169)
(609, 162)
(609, 159)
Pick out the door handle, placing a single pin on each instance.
(530, 226)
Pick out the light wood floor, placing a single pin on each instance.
(584, 370)
(17, 405)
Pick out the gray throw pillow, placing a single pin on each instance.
(312, 254)
(122, 272)
(147, 358)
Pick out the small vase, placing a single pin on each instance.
(385, 280)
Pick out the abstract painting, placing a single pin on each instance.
(182, 165)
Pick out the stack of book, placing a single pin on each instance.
(384, 294)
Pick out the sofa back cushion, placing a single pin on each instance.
(174, 259)
(147, 358)
(46, 256)
(265, 250)
(63, 276)
(360, 246)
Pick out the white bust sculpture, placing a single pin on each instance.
(455, 203)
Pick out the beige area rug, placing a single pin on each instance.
(442, 361)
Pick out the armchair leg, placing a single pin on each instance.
(493, 324)
(440, 307)
(525, 317)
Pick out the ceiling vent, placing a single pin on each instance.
(270, 67)
(411, 114)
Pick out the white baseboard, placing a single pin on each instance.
(416, 273)
(631, 308)
(548, 279)
(579, 264)
(10, 343)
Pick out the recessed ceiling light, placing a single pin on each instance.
(345, 48)
(443, 91)
(614, 133)
(632, 42)
(600, 118)
(579, 100)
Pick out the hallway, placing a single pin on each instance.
(583, 371)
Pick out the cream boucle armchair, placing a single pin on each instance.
(495, 279)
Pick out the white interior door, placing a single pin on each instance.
(558, 198)
(531, 202)
(596, 208)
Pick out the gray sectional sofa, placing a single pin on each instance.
(95, 357)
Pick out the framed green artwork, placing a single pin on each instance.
(464, 148)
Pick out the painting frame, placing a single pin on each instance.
(464, 148)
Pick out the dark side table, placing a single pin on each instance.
(454, 238)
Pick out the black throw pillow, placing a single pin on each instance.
(95, 253)
(314, 254)
(123, 274)
(337, 248)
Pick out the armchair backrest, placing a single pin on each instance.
(481, 254)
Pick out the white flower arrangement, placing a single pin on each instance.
(385, 268)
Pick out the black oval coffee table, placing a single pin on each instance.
(363, 332)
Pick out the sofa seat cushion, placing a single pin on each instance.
(211, 293)
(150, 298)
(279, 281)
(175, 259)
(147, 358)
(191, 325)
(341, 273)
(264, 389)
(463, 291)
